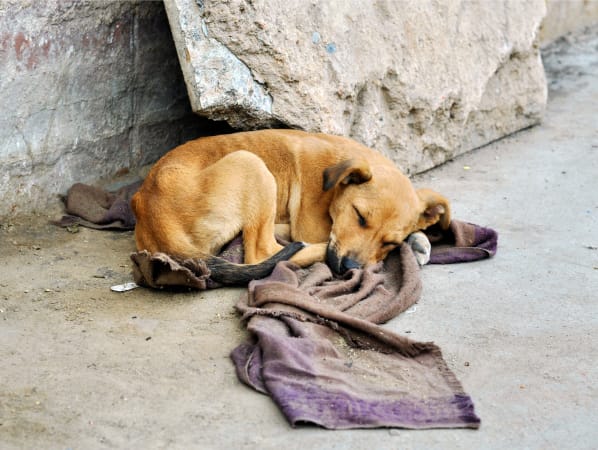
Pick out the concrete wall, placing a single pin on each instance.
(420, 83)
(565, 16)
(87, 89)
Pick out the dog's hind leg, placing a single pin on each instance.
(312, 253)
(238, 195)
(283, 231)
(259, 222)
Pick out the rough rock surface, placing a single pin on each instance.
(87, 88)
(420, 81)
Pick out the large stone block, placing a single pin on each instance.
(420, 81)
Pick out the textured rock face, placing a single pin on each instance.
(420, 81)
(87, 89)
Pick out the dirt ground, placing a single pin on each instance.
(85, 367)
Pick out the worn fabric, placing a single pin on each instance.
(97, 208)
(462, 242)
(318, 350)
(159, 270)
(317, 346)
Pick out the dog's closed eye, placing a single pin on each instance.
(362, 222)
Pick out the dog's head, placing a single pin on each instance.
(374, 208)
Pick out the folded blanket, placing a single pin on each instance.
(159, 270)
(462, 242)
(318, 351)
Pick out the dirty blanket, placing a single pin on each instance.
(317, 347)
(96, 208)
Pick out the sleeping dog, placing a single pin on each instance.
(349, 204)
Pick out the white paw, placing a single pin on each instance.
(421, 247)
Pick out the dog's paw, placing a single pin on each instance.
(421, 247)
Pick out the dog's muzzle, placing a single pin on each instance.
(339, 264)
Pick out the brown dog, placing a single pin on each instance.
(350, 202)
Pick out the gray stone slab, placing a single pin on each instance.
(87, 89)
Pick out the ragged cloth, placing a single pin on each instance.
(318, 348)
(319, 352)
(97, 208)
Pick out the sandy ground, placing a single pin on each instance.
(84, 367)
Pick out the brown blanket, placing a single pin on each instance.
(317, 347)
(96, 208)
(319, 352)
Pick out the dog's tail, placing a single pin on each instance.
(229, 273)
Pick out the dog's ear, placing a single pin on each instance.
(350, 171)
(434, 209)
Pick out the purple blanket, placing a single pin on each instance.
(318, 351)
(317, 346)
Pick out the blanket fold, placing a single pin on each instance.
(462, 242)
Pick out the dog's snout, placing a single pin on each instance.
(340, 264)
(348, 264)
(332, 259)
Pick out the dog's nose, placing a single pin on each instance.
(340, 264)
(333, 260)
(348, 264)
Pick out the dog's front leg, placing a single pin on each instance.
(420, 244)
(311, 254)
